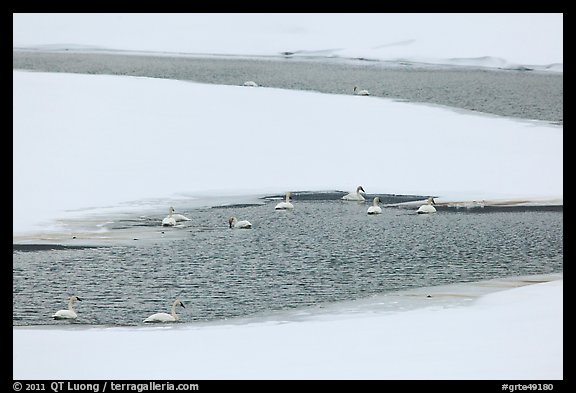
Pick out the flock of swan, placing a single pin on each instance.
(70, 313)
(234, 223)
(356, 91)
(376, 209)
(172, 218)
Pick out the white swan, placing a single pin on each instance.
(250, 84)
(285, 204)
(375, 209)
(70, 313)
(169, 220)
(360, 92)
(234, 223)
(355, 196)
(177, 217)
(165, 317)
(427, 208)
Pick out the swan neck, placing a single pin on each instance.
(173, 313)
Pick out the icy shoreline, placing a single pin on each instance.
(507, 328)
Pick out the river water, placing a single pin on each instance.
(323, 251)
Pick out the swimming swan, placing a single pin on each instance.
(285, 204)
(375, 209)
(70, 313)
(171, 219)
(234, 223)
(427, 208)
(250, 84)
(178, 217)
(360, 92)
(165, 317)
(355, 196)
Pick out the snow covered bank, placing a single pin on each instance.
(515, 334)
(83, 142)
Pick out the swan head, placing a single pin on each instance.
(178, 302)
(231, 221)
(376, 200)
(431, 200)
(75, 298)
(360, 189)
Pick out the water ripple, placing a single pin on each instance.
(322, 251)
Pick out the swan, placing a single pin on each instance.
(355, 196)
(234, 223)
(286, 204)
(169, 221)
(427, 208)
(375, 209)
(250, 84)
(177, 217)
(360, 92)
(70, 313)
(165, 317)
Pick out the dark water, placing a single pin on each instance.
(523, 94)
(325, 250)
